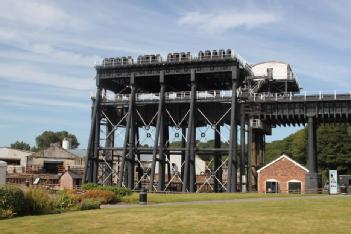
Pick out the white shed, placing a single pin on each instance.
(200, 165)
(279, 70)
(15, 159)
(3, 168)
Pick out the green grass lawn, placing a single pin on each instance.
(185, 197)
(307, 215)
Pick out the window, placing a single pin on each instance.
(294, 187)
(13, 162)
(52, 167)
(272, 186)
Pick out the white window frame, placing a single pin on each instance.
(293, 181)
(270, 180)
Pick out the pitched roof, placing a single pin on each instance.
(9, 153)
(56, 151)
(82, 153)
(74, 175)
(271, 61)
(282, 157)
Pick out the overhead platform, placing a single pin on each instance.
(213, 69)
(273, 77)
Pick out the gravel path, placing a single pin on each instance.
(225, 201)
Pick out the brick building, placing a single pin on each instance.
(283, 175)
(71, 180)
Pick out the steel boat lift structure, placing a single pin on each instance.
(184, 98)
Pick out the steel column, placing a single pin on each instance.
(313, 179)
(242, 144)
(139, 168)
(192, 166)
(126, 135)
(157, 133)
(183, 144)
(168, 164)
(89, 163)
(131, 153)
(96, 143)
(217, 160)
(232, 162)
(312, 158)
(250, 177)
(108, 167)
(189, 173)
(161, 157)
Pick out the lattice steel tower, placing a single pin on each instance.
(151, 112)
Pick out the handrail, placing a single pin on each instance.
(226, 94)
(305, 96)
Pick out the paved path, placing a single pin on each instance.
(238, 200)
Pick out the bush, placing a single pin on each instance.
(106, 197)
(6, 214)
(66, 199)
(118, 191)
(11, 200)
(89, 204)
(90, 186)
(38, 201)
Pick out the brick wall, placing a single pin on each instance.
(66, 181)
(283, 171)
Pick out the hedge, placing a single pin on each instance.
(12, 201)
(118, 191)
(89, 204)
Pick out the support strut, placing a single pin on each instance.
(89, 164)
(313, 179)
(158, 129)
(189, 167)
(232, 162)
(242, 145)
(217, 160)
(126, 137)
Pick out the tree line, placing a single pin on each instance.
(333, 148)
(44, 140)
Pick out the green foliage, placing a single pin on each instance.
(38, 201)
(295, 146)
(333, 148)
(46, 138)
(66, 200)
(90, 186)
(20, 145)
(118, 191)
(11, 200)
(89, 204)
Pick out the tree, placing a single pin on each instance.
(20, 145)
(48, 137)
(333, 148)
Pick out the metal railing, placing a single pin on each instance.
(173, 57)
(183, 95)
(227, 94)
(304, 96)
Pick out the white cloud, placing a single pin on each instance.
(28, 120)
(30, 101)
(36, 13)
(29, 74)
(44, 53)
(227, 20)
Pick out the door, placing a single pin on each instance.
(272, 187)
